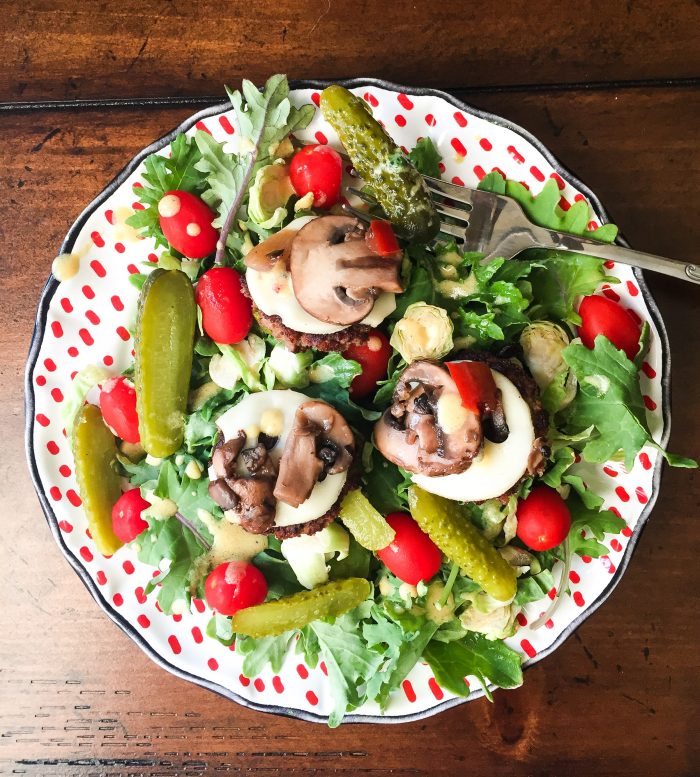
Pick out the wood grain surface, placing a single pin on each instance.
(65, 49)
(620, 697)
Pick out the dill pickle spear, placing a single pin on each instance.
(165, 325)
(94, 452)
(463, 543)
(398, 186)
(295, 611)
(365, 524)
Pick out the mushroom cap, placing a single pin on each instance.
(320, 440)
(410, 434)
(335, 275)
(276, 247)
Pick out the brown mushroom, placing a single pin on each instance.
(222, 494)
(256, 505)
(223, 459)
(335, 275)
(409, 433)
(250, 496)
(265, 255)
(258, 462)
(320, 443)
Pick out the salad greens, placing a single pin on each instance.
(450, 623)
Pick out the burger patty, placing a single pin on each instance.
(300, 341)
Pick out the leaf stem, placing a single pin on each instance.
(549, 612)
(449, 585)
(236, 205)
(201, 539)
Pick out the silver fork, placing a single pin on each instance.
(496, 225)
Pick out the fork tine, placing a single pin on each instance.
(459, 214)
(359, 214)
(359, 193)
(452, 229)
(451, 190)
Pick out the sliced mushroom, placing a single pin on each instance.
(335, 275)
(414, 431)
(319, 443)
(222, 494)
(256, 505)
(265, 255)
(223, 459)
(258, 462)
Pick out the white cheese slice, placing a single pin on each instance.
(273, 294)
(249, 412)
(500, 465)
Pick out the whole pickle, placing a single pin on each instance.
(458, 538)
(295, 611)
(395, 182)
(94, 453)
(165, 326)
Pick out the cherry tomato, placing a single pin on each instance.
(317, 169)
(412, 555)
(227, 313)
(118, 406)
(475, 383)
(543, 519)
(127, 522)
(233, 586)
(186, 224)
(602, 316)
(381, 239)
(373, 356)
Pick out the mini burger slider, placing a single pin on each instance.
(318, 283)
(467, 454)
(281, 464)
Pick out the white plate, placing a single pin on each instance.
(86, 321)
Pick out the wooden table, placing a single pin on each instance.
(612, 89)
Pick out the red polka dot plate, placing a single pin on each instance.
(85, 320)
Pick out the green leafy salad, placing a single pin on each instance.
(350, 438)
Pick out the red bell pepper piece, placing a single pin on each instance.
(381, 239)
(475, 384)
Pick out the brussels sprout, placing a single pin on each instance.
(241, 361)
(307, 554)
(434, 610)
(269, 194)
(290, 369)
(489, 617)
(424, 332)
(543, 343)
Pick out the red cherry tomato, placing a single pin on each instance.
(317, 169)
(226, 312)
(476, 386)
(118, 406)
(373, 356)
(412, 555)
(126, 515)
(186, 224)
(543, 519)
(602, 316)
(381, 239)
(233, 586)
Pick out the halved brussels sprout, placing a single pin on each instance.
(424, 332)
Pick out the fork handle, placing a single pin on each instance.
(546, 238)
